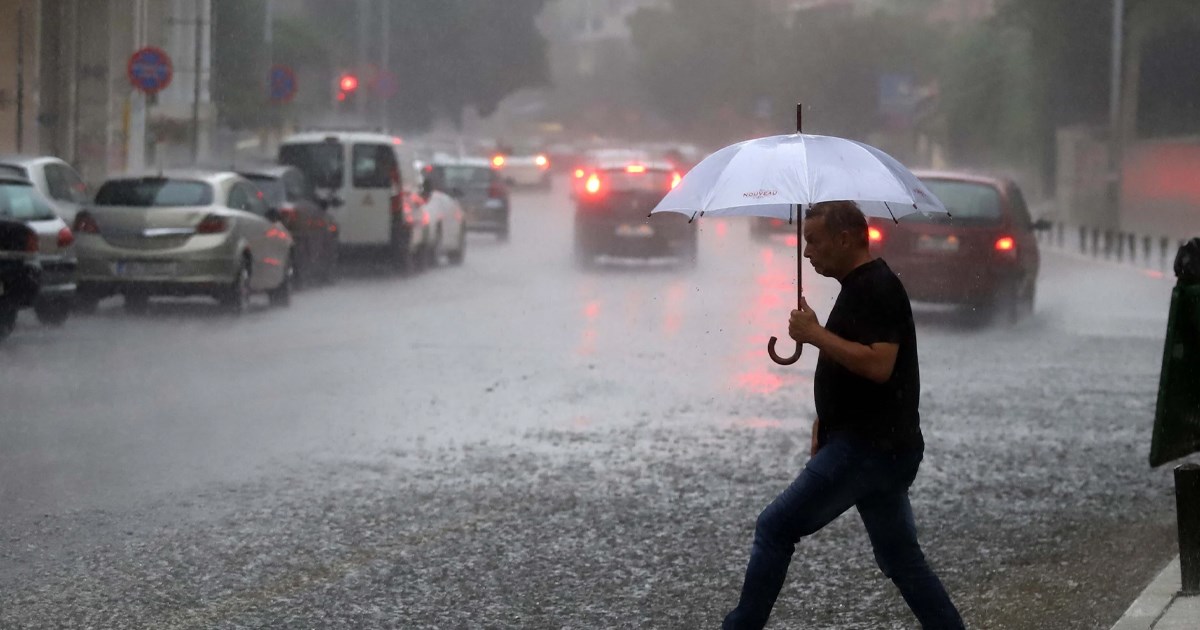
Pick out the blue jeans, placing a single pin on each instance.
(844, 474)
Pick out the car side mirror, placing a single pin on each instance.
(1041, 225)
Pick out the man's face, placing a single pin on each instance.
(823, 250)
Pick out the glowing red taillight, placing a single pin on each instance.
(542, 161)
(65, 238)
(498, 161)
(675, 179)
(212, 224)
(579, 173)
(635, 168)
(86, 224)
(875, 235)
(288, 214)
(1006, 244)
(593, 184)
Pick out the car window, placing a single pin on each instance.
(649, 180)
(23, 202)
(79, 190)
(374, 166)
(272, 189)
(321, 162)
(150, 192)
(466, 176)
(1019, 208)
(966, 201)
(57, 185)
(295, 186)
(246, 197)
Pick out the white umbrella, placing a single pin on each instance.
(777, 175)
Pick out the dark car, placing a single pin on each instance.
(477, 186)
(21, 201)
(292, 201)
(20, 272)
(983, 256)
(612, 210)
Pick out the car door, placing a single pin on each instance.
(263, 237)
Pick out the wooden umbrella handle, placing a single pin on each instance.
(784, 360)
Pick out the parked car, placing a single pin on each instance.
(182, 233)
(54, 178)
(477, 186)
(20, 201)
(20, 273)
(291, 200)
(359, 175)
(446, 226)
(983, 256)
(612, 214)
(522, 166)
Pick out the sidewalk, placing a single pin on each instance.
(1160, 607)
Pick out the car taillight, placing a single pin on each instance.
(86, 224)
(498, 161)
(65, 238)
(874, 235)
(542, 162)
(593, 184)
(675, 179)
(579, 173)
(288, 214)
(212, 224)
(635, 168)
(1006, 244)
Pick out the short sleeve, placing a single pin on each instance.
(885, 314)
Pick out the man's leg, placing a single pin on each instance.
(889, 521)
(825, 488)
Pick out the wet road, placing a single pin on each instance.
(517, 443)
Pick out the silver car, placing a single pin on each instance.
(54, 178)
(182, 233)
(20, 201)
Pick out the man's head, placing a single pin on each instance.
(835, 238)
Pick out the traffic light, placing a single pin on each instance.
(346, 91)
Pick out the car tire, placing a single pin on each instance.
(281, 296)
(457, 256)
(8, 322)
(53, 312)
(136, 303)
(236, 298)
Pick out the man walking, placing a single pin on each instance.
(867, 442)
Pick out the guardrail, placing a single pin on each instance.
(1147, 250)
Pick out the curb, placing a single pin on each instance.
(1153, 603)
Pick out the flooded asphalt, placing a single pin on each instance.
(516, 443)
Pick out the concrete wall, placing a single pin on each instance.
(19, 42)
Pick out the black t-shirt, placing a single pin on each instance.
(872, 307)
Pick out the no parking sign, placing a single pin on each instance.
(150, 69)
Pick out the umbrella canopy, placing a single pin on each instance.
(768, 177)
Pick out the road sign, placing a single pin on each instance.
(282, 84)
(150, 69)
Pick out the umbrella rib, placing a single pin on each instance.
(889, 209)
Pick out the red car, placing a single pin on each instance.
(984, 256)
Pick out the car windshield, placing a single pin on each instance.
(322, 162)
(154, 192)
(633, 180)
(23, 202)
(966, 201)
(466, 176)
(272, 189)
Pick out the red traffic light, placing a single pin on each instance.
(348, 83)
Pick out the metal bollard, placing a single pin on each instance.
(1163, 244)
(1120, 247)
(1095, 241)
(1146, 249)
(1082, 240)
(1187, 506)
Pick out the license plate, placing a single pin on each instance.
(638, 231)
(142, 269)
(927, 243)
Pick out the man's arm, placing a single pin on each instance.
(873, 362)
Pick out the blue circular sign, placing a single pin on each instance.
(282, 84)
(150, 69)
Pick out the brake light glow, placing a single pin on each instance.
(579, 173)
(65, 237)
(498, 161)
(1005, 244)
(874, 235)
(675, 179)
(635, 168)
(593, 184)
(541, 161)
(212, 224)
(85, 223)
(288, 214)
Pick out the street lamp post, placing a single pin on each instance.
(1115, 139)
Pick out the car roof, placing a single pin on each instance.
(211, 177)
(442, 159)
(620, 165)
(963, 176)
(30, 160)
(310, 137)
(266, 170)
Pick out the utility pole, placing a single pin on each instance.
(197, 60)
(1116, 146)
(364, 23)
(20, 78)
(384, 76)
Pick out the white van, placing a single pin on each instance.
(360, 176)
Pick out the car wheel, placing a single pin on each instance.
(282, 294)
(236, 298)
(53, 312)
(457, 256)
(8, 322)
(136, 303)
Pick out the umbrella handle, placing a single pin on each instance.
(780, 360)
